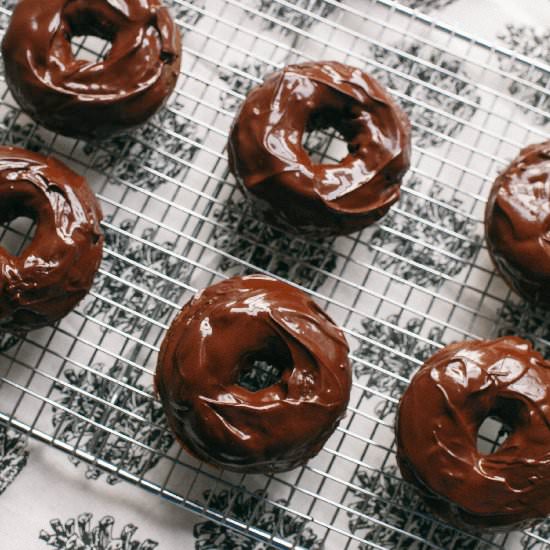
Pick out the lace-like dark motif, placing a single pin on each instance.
(82, 534)
(105, 402)
(254, 510)
(410, 258)
(430, 127)
(534, 43)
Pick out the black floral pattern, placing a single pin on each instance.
(290, 16)
(98, 442)
(162, 145)
(238, 83)
(431, 123)
(17, 130)
(13, 455)
(240, 233)
(522, 319)
(427, 5)
(82, 534)
(417, 252)
(159, 260)
(251, 509)
(534, 43)
(541, 530)
(186, 14)
(398, 504)
(398, 341)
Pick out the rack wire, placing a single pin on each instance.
(176, 222)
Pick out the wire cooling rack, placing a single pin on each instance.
(176, 222)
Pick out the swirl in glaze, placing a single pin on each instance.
(517, 223)
(220, 333)
(438, 420)
(56, 270)
(85, 99)
(267, 156)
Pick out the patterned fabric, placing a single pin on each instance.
(82, 534)
(427, 5)
(175, 220)
(534, 43)
(13, 456)
(450, 89)
(210, 535)
(299, 18)
(121, 453)
(383, 497)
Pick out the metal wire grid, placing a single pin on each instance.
(168, 199)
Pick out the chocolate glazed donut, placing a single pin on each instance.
(56, 270)
(438, 420)
(267, 156)
(220, 334)
(84, 99)
(517, 223)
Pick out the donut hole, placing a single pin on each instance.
(91, 37)
(260, 375)
(498, 425)
(17, 229)
(324, 139)
(261, 369)
(90, 48)
(491, 435)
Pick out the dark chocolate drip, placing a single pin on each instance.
(518, 224)
(267, 157)
(87, 99)
(56, 270)
(220, 333)
(438, 420)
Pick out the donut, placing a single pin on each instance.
(221, 334)
(56, 269)
(517, 224)
(438, 419)
(84, 99)
(267, 157)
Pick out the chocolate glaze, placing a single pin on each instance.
(83, 99)
(517, 223)
(222, 331)
(56, 270)
(438, 420)
(266, 153)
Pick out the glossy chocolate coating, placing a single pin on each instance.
(222, 331)
(266, 153)
(438, 420)
(85, 99)
(517, 224)
(56, 270)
